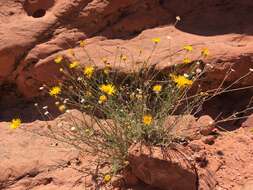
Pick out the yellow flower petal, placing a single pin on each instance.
(188, 48)
(102, 99)
(74, 64)
(88, 71)
(108, 89)
(58, 59)
(147, 119)
(205, 52)
(54, 91)
(71, 52)
(82, 43)
(156, 40)
(15, 123)
(181, 81)
(187, 60)
(157, 88)
(107, 178)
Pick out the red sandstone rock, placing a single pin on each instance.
(208, 139)
(230, 159)
(248, 185)
(29, 155)
(184, 127)
(32, 33)
(167, 169)
(206, 125)
(248, 122)
(195, 146)
(29, 161)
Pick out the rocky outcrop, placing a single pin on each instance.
(210, 163)
(33, 32)
(187, 127)
(30, 161)
(164, 169)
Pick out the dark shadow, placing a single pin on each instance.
(14, 105)
(201, 17)
(224, 105)
(39, 13)
(144, 187)
(37, 8)
(205, 18)
(213, 17)
(117, 22)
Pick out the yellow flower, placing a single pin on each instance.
(88, 71)
(188, 48)
(108, 89)
(71, 52)
(181, 81)
(62, 108)
(15, 123)
(157, 88)
(54, 91)
(187, 60)
(156, 40)
(147, 119)
(107, 178)
(102, 99)
(74, 64)
(58, 59)
(82, 43)
(205, 52)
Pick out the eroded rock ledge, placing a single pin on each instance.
(33, 32)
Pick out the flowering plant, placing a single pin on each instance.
(121, 109)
